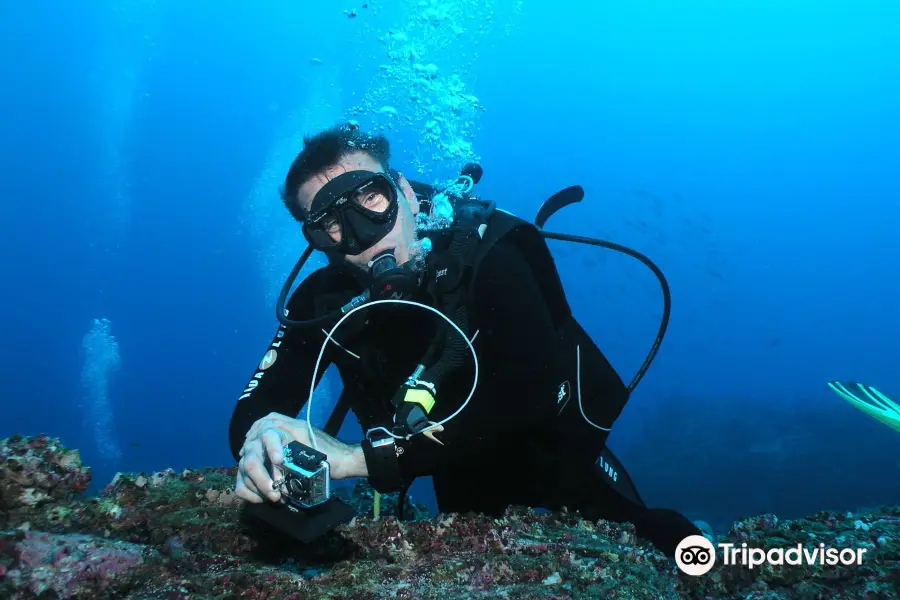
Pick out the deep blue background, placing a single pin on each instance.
(750, 148)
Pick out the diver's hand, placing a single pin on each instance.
(254, 483)
(344, 460)
(268, 436)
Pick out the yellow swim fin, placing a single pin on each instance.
(870, 401)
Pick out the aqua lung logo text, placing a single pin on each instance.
(608, 469)
(267, 360)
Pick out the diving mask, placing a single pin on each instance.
(352, 212)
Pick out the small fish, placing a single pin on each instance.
(316, 61)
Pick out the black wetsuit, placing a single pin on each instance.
(522, 439)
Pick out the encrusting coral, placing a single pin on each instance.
(176, 536)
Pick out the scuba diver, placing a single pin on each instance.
(456, 347)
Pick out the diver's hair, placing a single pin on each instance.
(326, 149)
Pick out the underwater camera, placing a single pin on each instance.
(306, 476)
(309, 510)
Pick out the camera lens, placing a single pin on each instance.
(297, 487)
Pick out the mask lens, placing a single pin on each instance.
(375, 196)
(325, 233)
(346, 221)
(331, 225)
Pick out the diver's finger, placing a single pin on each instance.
(251, 448)
(260, 423)
(244, 493)
(284, 422)
(273, 441)
(242, 490)
(297, 429)
(247, 443)
(246, 481)
(260, 476)
(268, 420)
(275, 420)
(274, 416)
(253, 469)
(254, 429)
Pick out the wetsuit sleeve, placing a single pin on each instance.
(279, 384)
(516, 391)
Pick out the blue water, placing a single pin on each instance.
(749, 148)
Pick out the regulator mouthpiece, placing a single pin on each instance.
(382, 263)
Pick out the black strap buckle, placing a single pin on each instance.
(383, 464)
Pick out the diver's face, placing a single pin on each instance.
(400, 238)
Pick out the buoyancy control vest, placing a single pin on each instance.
(587, 406)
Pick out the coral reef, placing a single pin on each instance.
(175, 536)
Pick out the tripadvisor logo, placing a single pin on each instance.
(695, 555)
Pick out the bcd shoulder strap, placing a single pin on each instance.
(528, 240)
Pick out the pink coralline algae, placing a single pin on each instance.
(172, 535)
(65, 564)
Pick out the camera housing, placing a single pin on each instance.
(308, 511)
(306, 477)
